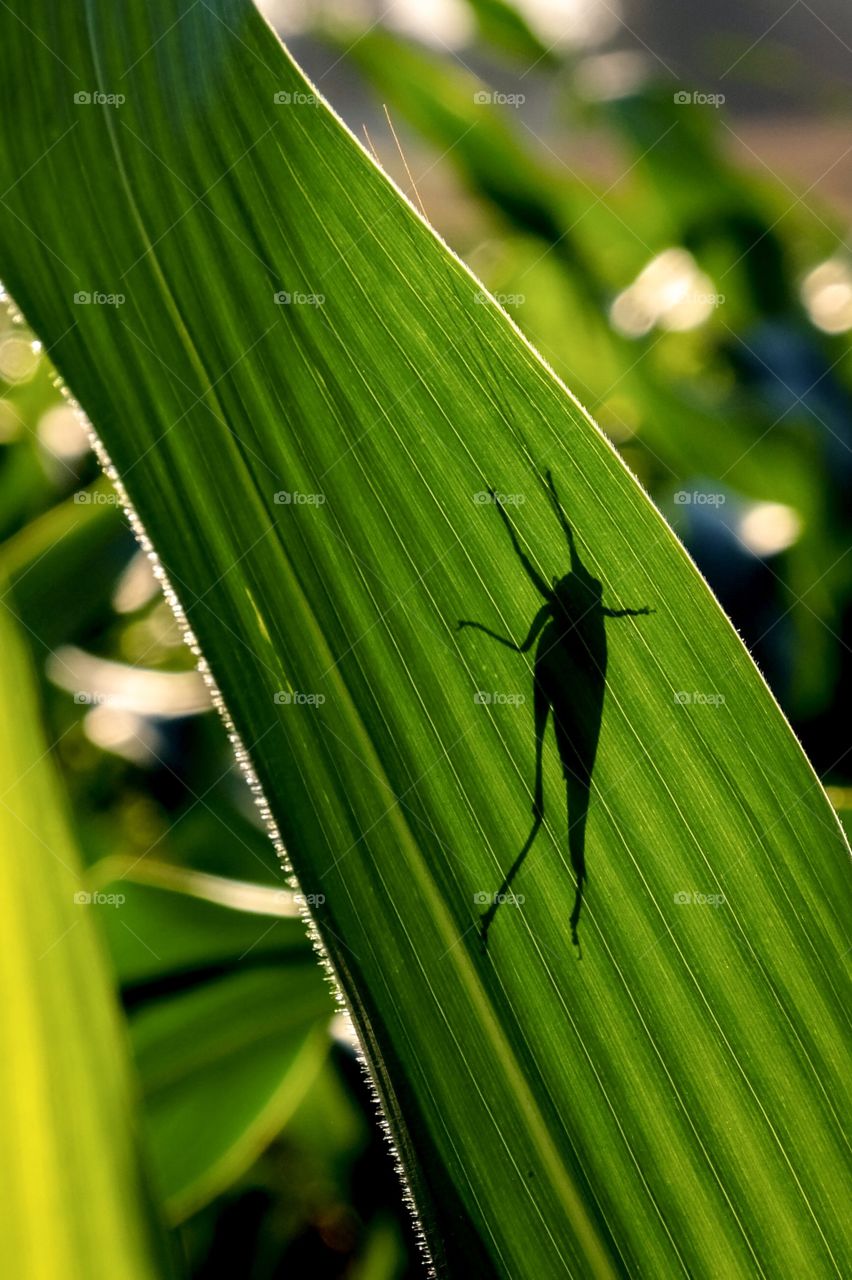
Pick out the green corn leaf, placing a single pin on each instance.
(307, 399)
(223, 1066)
(73, 1196)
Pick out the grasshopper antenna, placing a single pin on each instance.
(576, 563)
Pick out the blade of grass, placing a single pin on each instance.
(74, 1200)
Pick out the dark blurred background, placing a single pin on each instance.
(660, 194)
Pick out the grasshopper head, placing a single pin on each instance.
(577, 594)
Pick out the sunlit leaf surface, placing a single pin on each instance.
(74, 1200)
(308, 402)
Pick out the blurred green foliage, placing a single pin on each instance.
(668, 295)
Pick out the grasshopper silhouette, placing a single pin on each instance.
(569, 679)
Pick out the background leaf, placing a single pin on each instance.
(223, 1067)
(75, 1202)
